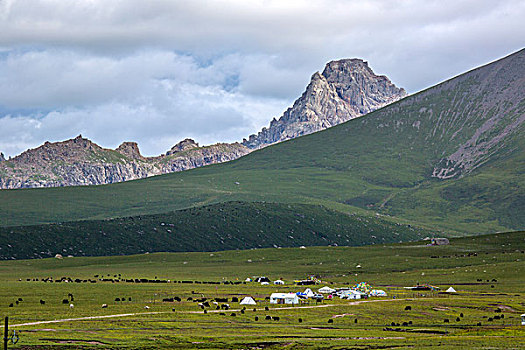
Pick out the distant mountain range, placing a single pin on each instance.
(346, 89)
(81, 162)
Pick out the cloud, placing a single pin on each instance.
(171, 112)
(157, 71)
(156, 98)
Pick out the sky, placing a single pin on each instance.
(156, 72)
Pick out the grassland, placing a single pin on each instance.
(231, 225)
(487, 271)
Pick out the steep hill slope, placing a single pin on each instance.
(231, 225)
(450, 157)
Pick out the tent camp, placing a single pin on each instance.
(247, 301)
(450, 290)
(278, 282)
(378, 293)
(284, 298)
(326, 290)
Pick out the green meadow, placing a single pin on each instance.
(487, 272)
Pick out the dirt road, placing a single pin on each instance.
(192, 312)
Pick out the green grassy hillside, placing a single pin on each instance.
(231, 225)
(380, 163)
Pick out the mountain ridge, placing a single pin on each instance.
(80, 161)
(345, 89)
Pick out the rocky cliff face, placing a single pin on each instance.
(483, 124)
(81, 162)
(345, 90)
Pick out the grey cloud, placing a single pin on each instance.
(207, 114)
(157, 71)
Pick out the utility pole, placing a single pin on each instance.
(6, 330)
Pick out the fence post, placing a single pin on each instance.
(6, 331)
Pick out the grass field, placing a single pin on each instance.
(231, 225)
(487, 271)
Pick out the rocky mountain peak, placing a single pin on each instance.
(346, 89)
(340, 70)
(356, 83)
(2, 157)
(184, 145)
(129, 149)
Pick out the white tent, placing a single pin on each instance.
(350, 294)
(248, 279)
(284, 298)
(378, 293)
(247, 301)
(326, 289)
(264, 283)
(450, 290)
(308, 292)
(278, 282)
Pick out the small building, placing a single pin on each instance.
(284, 298)
(439, 241)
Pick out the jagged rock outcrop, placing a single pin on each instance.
(182, 146)
(79, 161)
(345, 90)
(2, 157)
(129, 149)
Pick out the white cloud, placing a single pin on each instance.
(158, 71)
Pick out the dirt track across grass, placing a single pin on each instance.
(192, 312)
(82, 319)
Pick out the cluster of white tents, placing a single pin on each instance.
(343, 293)
(348, 293)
